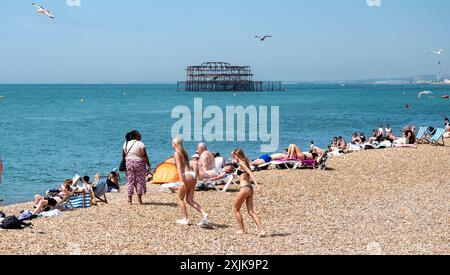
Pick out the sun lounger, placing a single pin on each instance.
(438, 137)
(286, 164)
(297, 164)
(229, 181)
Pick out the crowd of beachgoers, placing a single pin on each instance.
(205, 168)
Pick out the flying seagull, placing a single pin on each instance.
(439, 52)
(262, 38)
(419, 95)
(43, 10)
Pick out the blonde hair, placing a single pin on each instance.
(241, 155)
(178, 142)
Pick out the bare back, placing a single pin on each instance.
(187, 176)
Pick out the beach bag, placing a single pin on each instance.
(123, 163)
(123, 166)
(12, 222)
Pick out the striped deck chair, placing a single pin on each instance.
(421, 135)
(100, 188)
(438, 137)
(80, 200)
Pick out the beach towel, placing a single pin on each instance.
(51, 214)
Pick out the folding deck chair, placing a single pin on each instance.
(437, 138)
(421, 135)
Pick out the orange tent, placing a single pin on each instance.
(166, 172)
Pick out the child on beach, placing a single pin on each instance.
(246, 192)
(187, 189)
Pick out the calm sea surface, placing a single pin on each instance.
(47, 134)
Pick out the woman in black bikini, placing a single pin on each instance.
(246, 192)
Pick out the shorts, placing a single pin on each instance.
(266, 158)
(51, 201)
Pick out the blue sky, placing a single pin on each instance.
(154, 40)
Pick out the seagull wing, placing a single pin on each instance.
(38, 6)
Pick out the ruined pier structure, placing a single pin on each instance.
(223, 77)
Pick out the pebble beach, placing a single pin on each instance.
(391, 201)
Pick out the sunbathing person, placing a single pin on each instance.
(227, 170)
(408, 139)
(355, 139)
(294, 153)
(113, 182)
(42, 203)
(267, 158)
(363, 138)
(342, 144)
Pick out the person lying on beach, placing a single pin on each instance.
(409, 138)
(186, 190)
(294, 153)
(43, 203)
(264, 159)
(246, 192)
(227, 170)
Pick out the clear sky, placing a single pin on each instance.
(154, 40)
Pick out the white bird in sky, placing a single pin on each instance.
(419, 95)
(262, 38)
(439, 52)
(43, 10)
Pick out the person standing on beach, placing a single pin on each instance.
(137, 165)
(246, 192)
(187, 188)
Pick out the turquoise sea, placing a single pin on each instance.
(47, 134)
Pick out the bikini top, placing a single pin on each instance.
(240, 172)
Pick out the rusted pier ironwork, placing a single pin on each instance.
(223, 77)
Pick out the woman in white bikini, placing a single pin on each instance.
(246, 192)
(187, 188)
